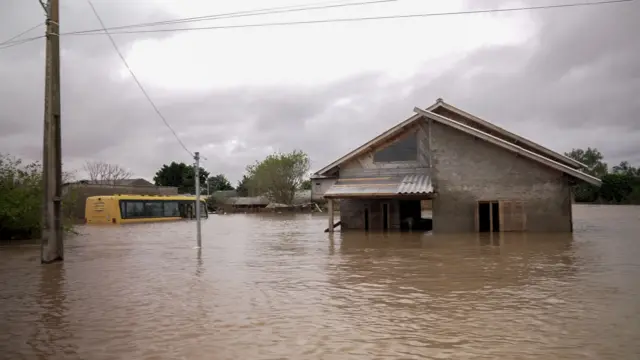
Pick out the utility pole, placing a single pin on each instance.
(52, 249)
(198, 227)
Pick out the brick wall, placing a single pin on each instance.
(467, 169)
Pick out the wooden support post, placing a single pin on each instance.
(52, 243)
(571, 201)
(330, 210)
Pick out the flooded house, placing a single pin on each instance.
(478, 176)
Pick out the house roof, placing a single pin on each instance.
(246, 201)
(467, 129)
(516, 138)
(418, 184)
(119, 182)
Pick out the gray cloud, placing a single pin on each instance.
(575, 84)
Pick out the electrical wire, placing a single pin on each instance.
(92, 32)
(20, 34)
(20, 42)
(265, 11)
(135, 78)
(339, 20)
(238, 14)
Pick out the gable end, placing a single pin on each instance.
(453, 113)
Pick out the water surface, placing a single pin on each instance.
(277, 287)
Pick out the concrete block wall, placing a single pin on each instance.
(467, 169)
(319, 187)
(352, 214)
(461, 119)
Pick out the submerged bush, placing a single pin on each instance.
(21, 199)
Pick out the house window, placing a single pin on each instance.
(405, 149)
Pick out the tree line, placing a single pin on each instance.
(620, 185)
(277, 177)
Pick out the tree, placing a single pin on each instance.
(180, 175)
(592, 158)
(219, 183)
(616, 188)
(621, 186)
(626, 169)
(306, 185)
(279, 175)
(243, 186)
(100, 171)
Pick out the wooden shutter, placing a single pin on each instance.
(506, 209)
(512, 215)
(518, 216)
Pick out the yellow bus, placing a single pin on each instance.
(125, 209)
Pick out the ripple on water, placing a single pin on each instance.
(266, 287)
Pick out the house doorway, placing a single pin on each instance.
(411, 216)
(385, 217)
(366, 219)
(488, 216)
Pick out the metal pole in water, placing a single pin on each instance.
(197, 175)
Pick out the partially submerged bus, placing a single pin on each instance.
(125, 209)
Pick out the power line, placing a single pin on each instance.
(19, 42)
(135, 78)
(264, 11)
(20, 34)
(388, 17)
(237, 14)
(469, 12)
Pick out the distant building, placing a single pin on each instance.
(229, 200)
(479, 177)
(122, 182)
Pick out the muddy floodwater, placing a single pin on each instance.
(277, 287)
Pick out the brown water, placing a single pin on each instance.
(277, 287)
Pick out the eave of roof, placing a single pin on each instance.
(408, 185)
(554, 155)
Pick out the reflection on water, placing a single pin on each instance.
(267, 287)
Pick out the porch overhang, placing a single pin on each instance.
(408, 186)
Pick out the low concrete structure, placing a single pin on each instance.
(479, 177)
(256, 203)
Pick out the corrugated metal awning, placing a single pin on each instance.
(381, 186)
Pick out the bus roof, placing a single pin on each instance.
(144, 197)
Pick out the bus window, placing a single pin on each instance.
(153, 209)
(134, 209)
(171, 209)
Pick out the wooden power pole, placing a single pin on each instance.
(52, 249)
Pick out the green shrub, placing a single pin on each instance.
(21, 200)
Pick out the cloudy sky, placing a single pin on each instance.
(565, 78)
